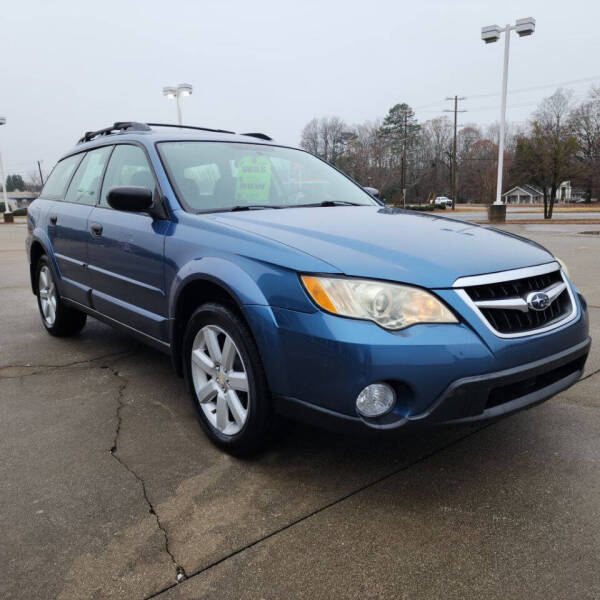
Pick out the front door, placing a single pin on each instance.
(67, 224)
(126, 251)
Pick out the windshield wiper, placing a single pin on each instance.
(331, 203)
(240, 207)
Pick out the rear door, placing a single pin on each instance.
(68, 224)
(126, 250)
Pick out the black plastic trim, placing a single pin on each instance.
(433, 416)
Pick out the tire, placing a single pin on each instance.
(242, 422)
(58, 319)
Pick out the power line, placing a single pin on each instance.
(515, 91)
(539, 87)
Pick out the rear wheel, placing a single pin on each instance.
(226, 380)
(57, 318)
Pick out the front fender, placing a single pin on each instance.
(249, 282)
(226, 274)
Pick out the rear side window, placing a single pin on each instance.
(85, 185)
(56, 184)
(128, 166)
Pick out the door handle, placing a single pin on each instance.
(96, 229)
(53, 219)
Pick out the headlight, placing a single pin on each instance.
(563, 265)
(390, 305)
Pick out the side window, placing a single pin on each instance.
(128, 166)
(59, 178)
(85, 184)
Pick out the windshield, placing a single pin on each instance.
(211, 176)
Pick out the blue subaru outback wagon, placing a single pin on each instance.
(280, 288)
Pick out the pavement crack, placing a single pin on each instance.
(180, 574)
(13, 371)
(325, 507)
(589, 375)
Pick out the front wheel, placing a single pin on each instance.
(57, 318)
(226, 380)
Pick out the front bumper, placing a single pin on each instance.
(466, 400)
(317, 364)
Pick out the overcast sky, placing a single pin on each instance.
(71, 66)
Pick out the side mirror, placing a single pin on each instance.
(372, 191)
(130, 198)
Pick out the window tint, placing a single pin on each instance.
(128, 166)
(57, 182)
(86, 181)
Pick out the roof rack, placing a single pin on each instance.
(134, 126)
(260, 136)
(190, 127)
(119, 126)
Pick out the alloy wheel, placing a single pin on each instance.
(48, 298)
(220, 379)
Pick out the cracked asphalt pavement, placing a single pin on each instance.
(110, 490)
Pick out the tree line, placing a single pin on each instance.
(560, 142)
(14, 183)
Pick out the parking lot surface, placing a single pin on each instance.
(110, 490)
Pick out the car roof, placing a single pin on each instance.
(152, 133)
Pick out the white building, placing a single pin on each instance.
(22, 199)
(530, 194)
(523, 194)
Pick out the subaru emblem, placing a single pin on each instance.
(537, 301)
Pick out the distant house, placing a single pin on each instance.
(524, 194)
(21, 199)
(566, 193)
(530, 194)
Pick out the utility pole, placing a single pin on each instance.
(3, 181)
(455, 111)
(405, 114)
(404, 159)
(3, 176)
(40, 170)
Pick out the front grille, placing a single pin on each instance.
(516, 287)
(511, 321)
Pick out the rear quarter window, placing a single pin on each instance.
(56, 184)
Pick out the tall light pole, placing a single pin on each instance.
(491, 34)
(2, 175)
(177, 93)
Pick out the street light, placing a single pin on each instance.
(183, 89)
(489, 35)
(2, 175)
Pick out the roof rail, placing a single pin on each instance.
(134, 126)
(119, 126)
(190, 127)
(260, 136)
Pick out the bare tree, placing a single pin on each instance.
(584, 124)
(547, 154)
(33, 181)
(327, 137)
(558, 144)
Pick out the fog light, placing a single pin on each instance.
(376, 400)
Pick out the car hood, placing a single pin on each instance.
(392, 244)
